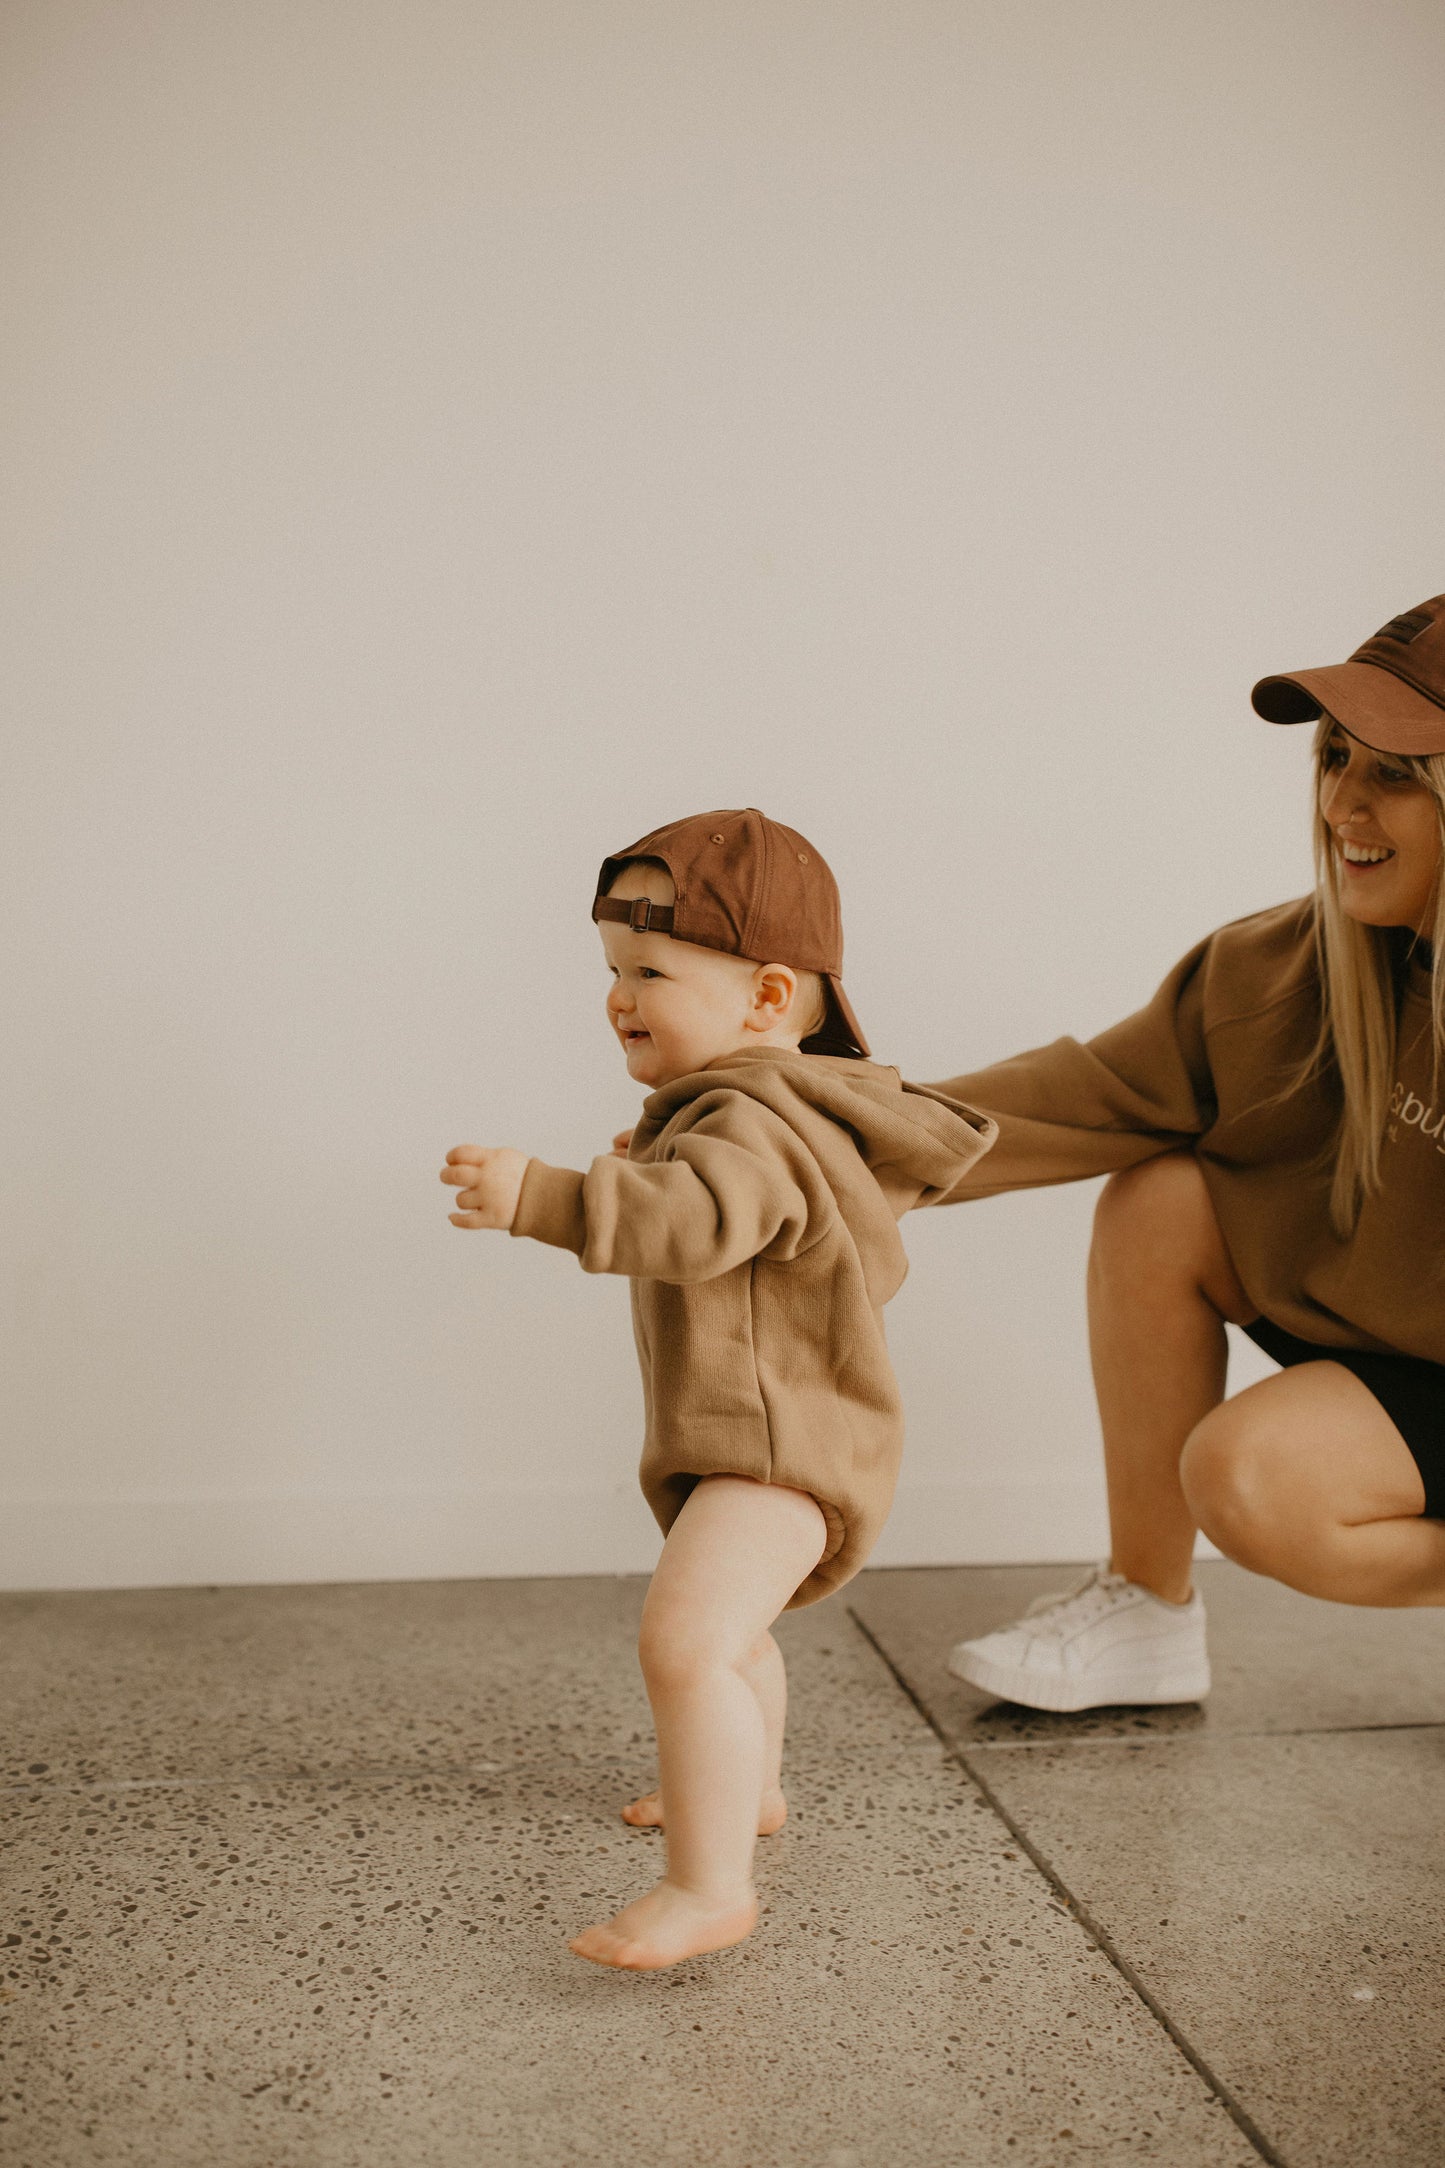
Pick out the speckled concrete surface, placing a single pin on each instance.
(1284, 1899)
(291, 1873)
(1268, 1864)
(300, 1681)
(1281, 1662)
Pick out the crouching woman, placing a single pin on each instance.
(1273, 1123)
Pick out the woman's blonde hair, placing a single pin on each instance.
(1358, 979)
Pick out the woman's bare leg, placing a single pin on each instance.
(1305, 1478)
(763, 1669)
(1160, 1288)
(733, 1557)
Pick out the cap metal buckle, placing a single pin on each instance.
(639, 915)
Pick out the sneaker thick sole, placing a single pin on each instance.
(1095, 1688)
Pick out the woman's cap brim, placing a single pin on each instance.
(1370, 702)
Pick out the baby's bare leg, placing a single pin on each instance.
(734, 1556)
(763, 1669)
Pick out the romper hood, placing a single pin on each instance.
(910, 1136)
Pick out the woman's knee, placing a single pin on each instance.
(1155, 1228)
(1228, 1484)
(1162, 1198)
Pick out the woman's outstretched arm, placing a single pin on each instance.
(1075, 1108)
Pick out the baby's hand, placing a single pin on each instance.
(490, 1181)
(620, 1143)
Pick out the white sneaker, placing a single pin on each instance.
(1107, 1641)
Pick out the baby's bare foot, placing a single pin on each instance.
(646, 1812)
(665, 1926)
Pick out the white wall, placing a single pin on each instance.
(444, 439)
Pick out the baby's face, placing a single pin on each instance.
(675, 1006)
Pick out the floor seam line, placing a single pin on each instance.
(1099, 1935)
(1177, 1738)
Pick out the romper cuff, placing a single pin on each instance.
(549, 1208)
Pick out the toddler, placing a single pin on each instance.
(755, 1214)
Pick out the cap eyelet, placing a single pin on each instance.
(715, 839)
(802, 858)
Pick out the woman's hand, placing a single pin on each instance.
(490, 1181)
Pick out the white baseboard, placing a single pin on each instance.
(210, 1540)
(219, 1540)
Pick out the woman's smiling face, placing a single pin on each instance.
(1386, 828)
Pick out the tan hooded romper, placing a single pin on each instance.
(756, 1215)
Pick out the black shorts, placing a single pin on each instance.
(1410, 1390)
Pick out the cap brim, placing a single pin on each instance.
(1374, 705)
(840, 1031)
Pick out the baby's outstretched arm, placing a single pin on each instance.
(490, 1181)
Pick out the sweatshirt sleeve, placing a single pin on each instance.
(1073, 1109)
(725, 1190)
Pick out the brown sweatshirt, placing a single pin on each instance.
(756, 1215)
(1214, 1065)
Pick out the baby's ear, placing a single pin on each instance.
(775, 994)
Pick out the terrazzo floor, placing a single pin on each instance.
(289, 1874)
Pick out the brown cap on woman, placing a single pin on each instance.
(1390, 694)
(751, 887)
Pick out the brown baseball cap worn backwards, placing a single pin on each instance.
(751, 887)
(1390, 694)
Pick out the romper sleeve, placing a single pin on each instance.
(725, 1188)
(1074, 1109)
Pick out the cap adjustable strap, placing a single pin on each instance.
(641, 914)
